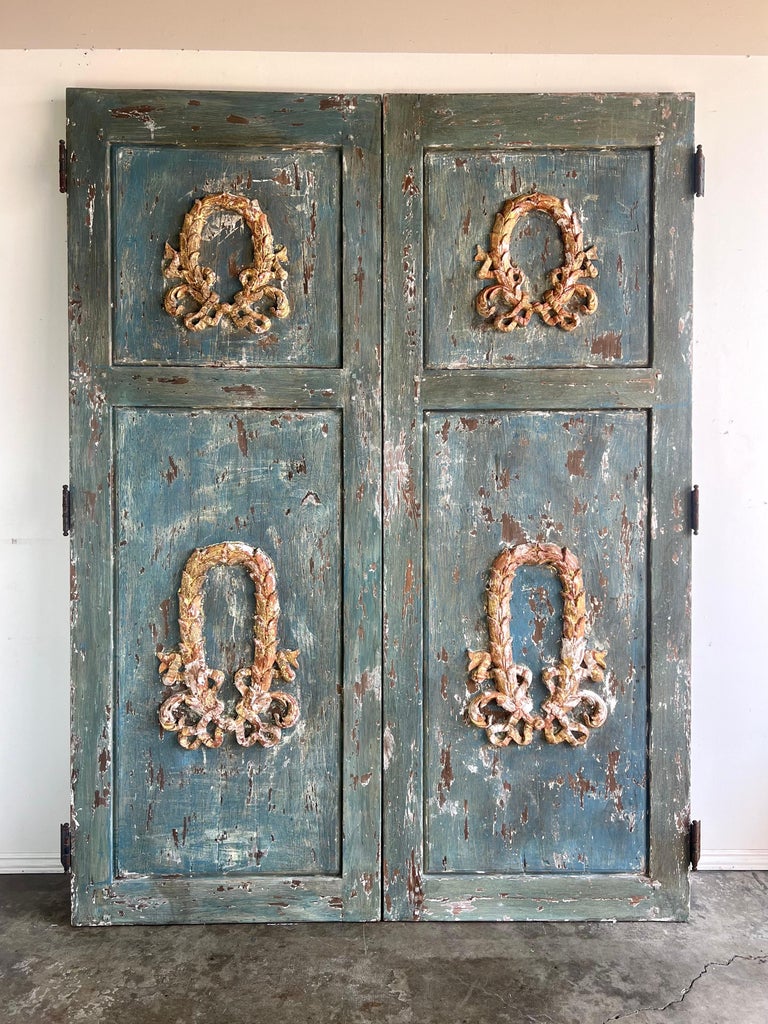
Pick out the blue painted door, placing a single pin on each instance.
(225, 475)
(537, 473)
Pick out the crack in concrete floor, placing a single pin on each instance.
(689, 988)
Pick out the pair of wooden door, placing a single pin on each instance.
(334, 665)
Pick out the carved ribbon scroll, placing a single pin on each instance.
(194, 710)
(506, 712)
(507, 303)
(198, 280)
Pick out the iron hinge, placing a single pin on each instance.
(66, 510)
(694, 844)
(695, 510)
(698, 172)
(63, 162)
(66, 846)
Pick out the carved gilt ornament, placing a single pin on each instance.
(196, 301)
(507, 303)
(506, 710)
(194, 710)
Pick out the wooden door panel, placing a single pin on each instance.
(573, 479)
(229, 471)
(299, 190)
(513, 458)
(555, 447)
(271, 481)
(611, 191)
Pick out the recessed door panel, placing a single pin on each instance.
(609, 191)
(271, 481)
(299, 193)
(575, 480)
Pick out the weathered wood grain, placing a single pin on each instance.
(610, 192)
(538, 388)
(273, 442)
(451, 849)
(570, 479)
(191, 387)
(273, 480)
(403, 691)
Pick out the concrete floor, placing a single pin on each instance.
(713, 969)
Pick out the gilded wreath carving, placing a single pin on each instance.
(507, 303)
(506, 712)
(194, 710)
(198, 281)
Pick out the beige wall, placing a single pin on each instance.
(738, 27)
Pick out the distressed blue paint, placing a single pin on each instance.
(299, 192)
(611, 193)
(273, 440)
(450, 163)
(578, 480)
(186, 480)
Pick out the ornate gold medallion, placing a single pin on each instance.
(507, 303)
(194, 710)
(506, 712)
(198, 280)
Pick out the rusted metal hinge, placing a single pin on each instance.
(66, 510)
(694, 844)
(66, 846)
(698, 172)
(695, 510)
(63, 162)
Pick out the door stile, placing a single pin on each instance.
(362, 529)
(402, 519)
(670, 532)
(91, 538)
(352, 390)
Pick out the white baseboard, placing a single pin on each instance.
(29, 863)
(733, 860)
(711, 860)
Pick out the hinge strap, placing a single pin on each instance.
(66, 510)
(695, 510)
(698, 172)
(694, 844)
(63, 161)
(66, 846)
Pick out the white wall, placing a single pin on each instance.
(730, 684)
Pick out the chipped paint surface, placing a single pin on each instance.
(297, 195)
(538, 437)
(247, 441)
(518, 811)
(259, 839)
(260, 488)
